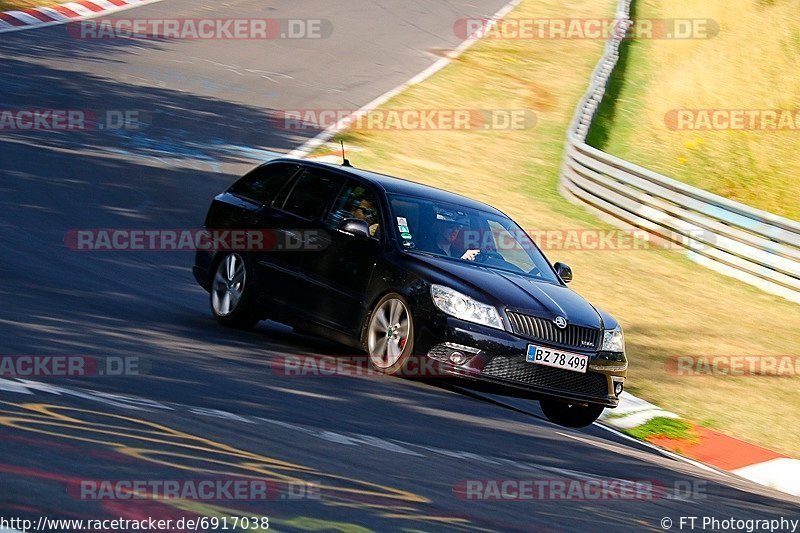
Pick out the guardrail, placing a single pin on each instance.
(754, 246)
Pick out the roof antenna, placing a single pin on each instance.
(345, 162)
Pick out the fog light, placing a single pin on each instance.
(618, 388)
(458, 358)
(439, 353)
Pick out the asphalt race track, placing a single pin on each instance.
(386, 454)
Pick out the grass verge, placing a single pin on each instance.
(670, 428)
(668, 305)
(753, 63)
(8, 5)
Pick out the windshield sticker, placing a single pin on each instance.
(402, 227)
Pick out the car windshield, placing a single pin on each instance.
(465, 234)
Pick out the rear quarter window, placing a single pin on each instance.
(312, 193)
(263, 183)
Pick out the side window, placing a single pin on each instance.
(263, 183)
(311, 193)
(356, 201)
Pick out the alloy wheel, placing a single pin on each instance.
(228, 286)
(388, 333)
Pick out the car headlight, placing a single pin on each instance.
(462, 306)
(613, 340)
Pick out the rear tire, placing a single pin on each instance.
(232, 300)
(571, 415)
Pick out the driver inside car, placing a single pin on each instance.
(446, 236)
(364, 210)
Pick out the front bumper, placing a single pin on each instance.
(495, 360)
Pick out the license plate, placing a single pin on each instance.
(558, 359)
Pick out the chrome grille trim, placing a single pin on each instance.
(542, 329)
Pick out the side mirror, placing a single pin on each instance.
(355, 227)
(564, 272)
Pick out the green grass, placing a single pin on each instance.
(671, 428)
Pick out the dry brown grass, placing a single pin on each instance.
(7, 5)
(753, 63)
(668, 305)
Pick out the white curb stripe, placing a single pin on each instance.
(633, 412)
(4, 25)
(636, 419)
(53, 14)
(105, 4)
(782, 474)
(23, 17)
(628, 403)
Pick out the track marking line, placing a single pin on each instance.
(326, 135)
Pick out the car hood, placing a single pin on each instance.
(508, 290)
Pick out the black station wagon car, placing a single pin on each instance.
(403, 270)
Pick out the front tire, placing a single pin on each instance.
(232, 293)
(571, 415)
(389, 335)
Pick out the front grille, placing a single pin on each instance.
(519, 370)
(533, 327)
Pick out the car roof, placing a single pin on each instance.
(395, 185)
